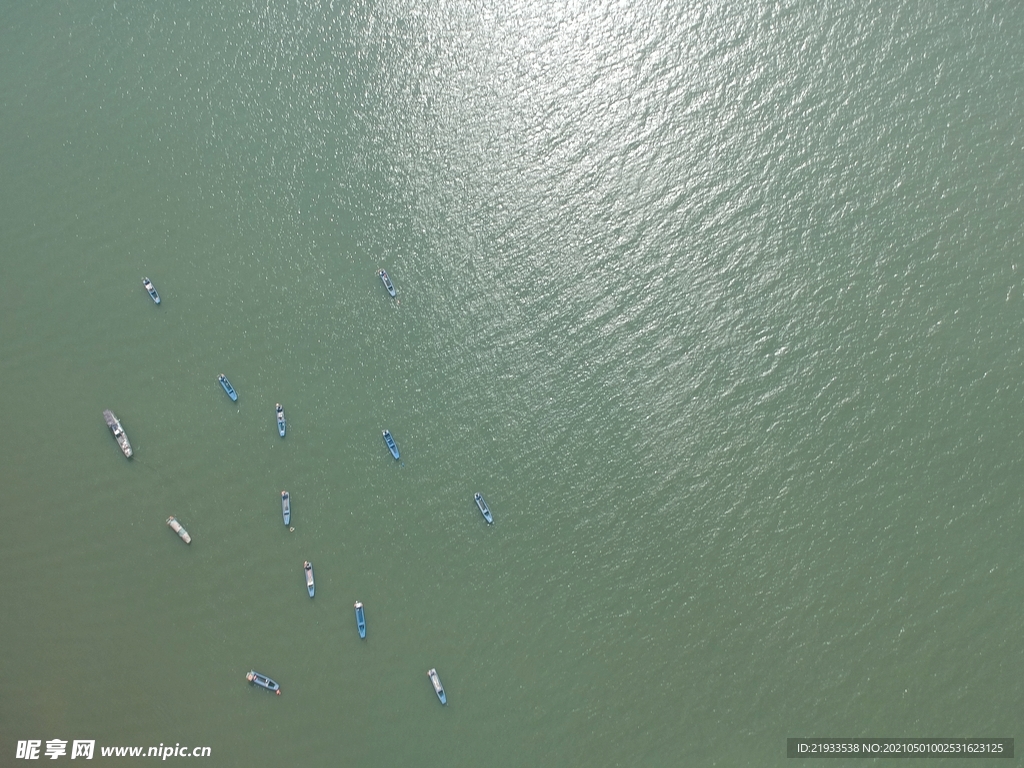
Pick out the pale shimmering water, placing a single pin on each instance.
(719, 305)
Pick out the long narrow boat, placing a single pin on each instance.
(227, 386)
(360, 620)
(263, 681)
(482, 506)
(179, 529)
(280, 420)
(119, 435)
(152, 291)
(392, 445)
(436, 682)
(286, 507)
(387, 282)
(308, 568)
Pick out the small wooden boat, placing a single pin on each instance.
(263, 681)
(152, 291)
(227, 386)
(308, 568)
(280, 420)
(436, 682)
(286, 507)
(119, 435)
(179, 529)
(392, 445)
(360, 620)
(387, 282)
(482, 506)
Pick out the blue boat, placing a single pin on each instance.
(152, 291)
(308, 568)
(286, 507)
(392, 446)
(360, 620)
(227, 386)
(436, 682)
(263, 681)
(280, 420)
(387, 282)
(482, 506)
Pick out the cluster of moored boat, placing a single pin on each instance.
(254, 677)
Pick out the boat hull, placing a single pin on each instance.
(179, 529)
(484, 509)
(280, 420)
(391, 444)
(384, 278)
(310, 583)
(227, 387)
(360, 621)
(263, 681)
(118, 431)
(151, 290)
(438, 688)
(286, 507)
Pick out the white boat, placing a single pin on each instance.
(119, 435)
(482, 506)
(436, 682)
(310, 586)
(152, 291)
(179, 529)
(384, 278)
